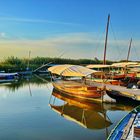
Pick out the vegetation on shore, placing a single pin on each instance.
(12, 64)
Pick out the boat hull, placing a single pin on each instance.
(8, 77)
(79, 92)
(119, 97)
(83, 92)
(127, 127)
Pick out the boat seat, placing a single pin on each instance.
(91, 88)
(73, 86)
(137, 132)
(137, 126)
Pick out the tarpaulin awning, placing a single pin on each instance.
(124, 64)
(73, 70)
(98, 66)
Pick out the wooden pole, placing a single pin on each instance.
(129, 50)
(107, 27)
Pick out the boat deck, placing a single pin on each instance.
(122, 89)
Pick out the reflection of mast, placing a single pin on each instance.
(29, 87)
(43, 79)
(107, 27)
(106, 117)
(129, 50)
(30, 90)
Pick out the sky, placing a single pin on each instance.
(74, 28)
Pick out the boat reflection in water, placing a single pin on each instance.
(88, 115)
(26, 81)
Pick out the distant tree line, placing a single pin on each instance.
(20, 64)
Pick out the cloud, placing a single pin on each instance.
(37, 21)
(75, 45)
(2, 35)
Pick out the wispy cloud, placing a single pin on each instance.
(2, 35)
(26, 20)
(76, 45)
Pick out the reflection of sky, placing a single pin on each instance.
(30, 117)
(49, 28)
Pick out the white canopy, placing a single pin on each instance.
(98, 66)
(124, 64)
(72, 70)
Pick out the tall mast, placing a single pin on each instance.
(107, 27)
(129, 50)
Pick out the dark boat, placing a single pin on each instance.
(119, 97)
(120, 93)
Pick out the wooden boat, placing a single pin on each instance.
(78, 88)
(121, 94)
(116, 71)
(124, 96)
(128, 128)
(123, 72)
(88, 105)
(90, 116)
(85, 114)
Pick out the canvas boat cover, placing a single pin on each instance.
(124, 64)
(98, 66)
(73, 70)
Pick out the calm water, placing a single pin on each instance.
(31, 110)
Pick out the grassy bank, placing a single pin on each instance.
(12, 64)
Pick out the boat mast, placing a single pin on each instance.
(129, 50)
(107, 27)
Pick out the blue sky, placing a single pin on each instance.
(75, 27)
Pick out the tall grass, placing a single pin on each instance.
(20, 64)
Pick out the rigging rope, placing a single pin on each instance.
(98, 44)
(118, 49)
(135, 51)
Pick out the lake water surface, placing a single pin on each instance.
(31, 110)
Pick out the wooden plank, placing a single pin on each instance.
(117, 88)
(127, 128)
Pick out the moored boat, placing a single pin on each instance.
(85, 114)
(120, 93)
(78, 88)
(88, 105)
(128, 128)
(8, 77)
(124, 94)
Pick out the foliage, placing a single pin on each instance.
(20, 64)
